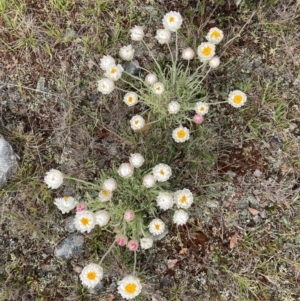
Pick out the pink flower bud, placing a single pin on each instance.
(121, 240)
(129, 215)
(133, 245)
(81, 207)
(198, 119)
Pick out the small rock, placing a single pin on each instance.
(257, 173)
(256, 63)
(94, 96)
(242, 204)
(133, 68)
(69, 224)
(257, 219)
(8, 161)
(212, 204)
(161, 236)
(263, 214)
(275, 144)
(254, 202)
(70, 246)
(40, 86)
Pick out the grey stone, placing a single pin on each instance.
(257, 219)
(70, 247)
(8, 161)
(69, 224)
(133, 68)
(242, 204)
(254, 202)
(263, 214)
(212, 204)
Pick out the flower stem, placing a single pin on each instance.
(81, 181)
(176, 43)
(171, 53)
(134, 265)
(107, 252)
(157, 64)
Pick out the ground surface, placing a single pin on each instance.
(242, 241)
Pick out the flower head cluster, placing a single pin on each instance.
(65, 204)
(129, 287)
(54, 178)
(91, 275)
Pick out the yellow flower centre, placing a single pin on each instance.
(202, 109)
(215, 34)
(157, 226)
(183, 199)
(237, 99)
(130, 99)
(105, 192)
(103, 87)
(66, 198)
(171, 19)
(91, 275)
(113, 71)
(157, 88)
(161, 172)
(85, 221)
(181, 134)
(206, 51)
(136, 122)
(130, 288)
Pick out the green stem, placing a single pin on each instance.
(107, 252)
(150, 52)
(81, 181)
(134, 265)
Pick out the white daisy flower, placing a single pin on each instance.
(158, 88)
(137, 122)
(105, 86)
(183, 198)
(107, 61)
(137, 160)
(163, 36)
(157, 226)
(54, 178)
(151, 79)
(215, 35)
(65, 204)
(201, 108)
(102, 218)
(129, 287)
(149, 181)
(126, 53)
(173, 107)
(146, 243)
(105, 195)
(181, 134)
(188, 54)
(206, 51)
(125, 170)
(164, 201)
(172, 21)
(162, 172)
(114, 72)
(237, 98)
(91, 275)
(180, 217)
(214, 62)
(110, 184)
(84, 221)
(130, 98)
(137, 33)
